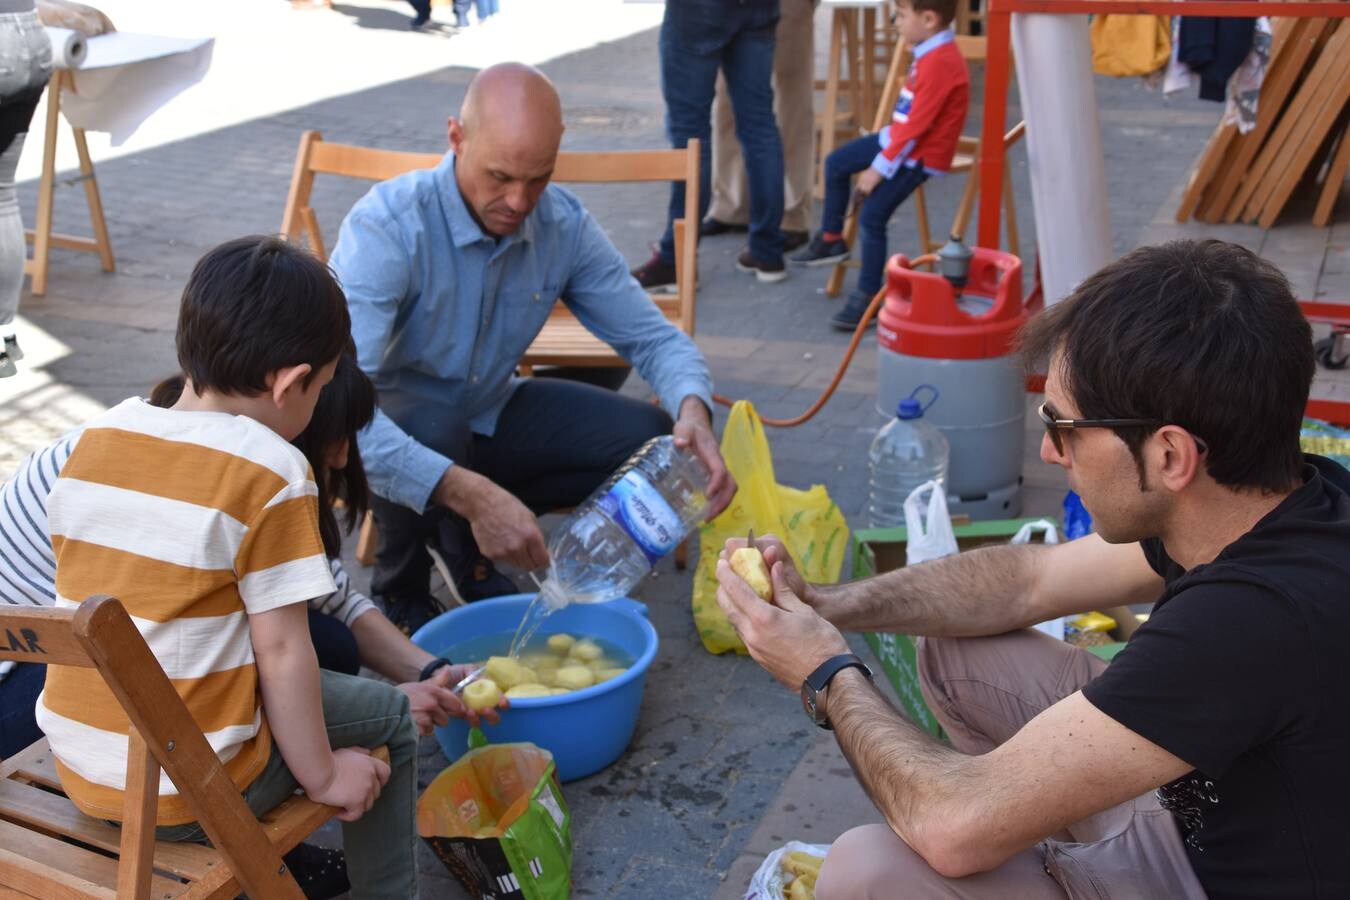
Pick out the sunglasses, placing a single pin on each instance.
(1054, 425)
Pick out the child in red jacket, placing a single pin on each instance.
(920, 141)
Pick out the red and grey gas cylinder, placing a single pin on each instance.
(960, 340)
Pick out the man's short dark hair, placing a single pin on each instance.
(945, 9)
(1201, 334)
(254, 305)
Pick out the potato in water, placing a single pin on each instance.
(574, 678)
(561, 643)
(529, 690)
(585, 651)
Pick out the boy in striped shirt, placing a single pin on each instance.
(920, 141)
(202, 520)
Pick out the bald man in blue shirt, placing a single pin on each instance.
(450, 273)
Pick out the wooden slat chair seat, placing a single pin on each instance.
(49, 848)
(564, 341)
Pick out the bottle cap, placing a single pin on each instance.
(909, 409)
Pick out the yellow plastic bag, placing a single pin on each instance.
(808, 522)
(1129, 45)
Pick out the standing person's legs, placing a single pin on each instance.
(794, 88)
(693, 34)
(728, 203)
(588, 431)
(461, 8)
(748, 64)
(794, 93)
(28, 64)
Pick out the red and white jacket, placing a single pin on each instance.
(930, 111)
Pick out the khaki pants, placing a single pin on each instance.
(793, 96)
(983, 690)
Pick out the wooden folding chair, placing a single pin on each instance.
(564, 341)
(48, 848)
(967, 152)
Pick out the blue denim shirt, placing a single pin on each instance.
(442, 312)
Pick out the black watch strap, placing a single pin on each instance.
(831, 667)
(818, 680)
(432, 667)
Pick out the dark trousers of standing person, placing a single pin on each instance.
(555, 442)
(699, 37)
(840, 166)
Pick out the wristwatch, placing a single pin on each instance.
(432, 667)
(818, 680)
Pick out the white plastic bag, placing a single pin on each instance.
(1054, 627)
(770, 881)
(929, 527)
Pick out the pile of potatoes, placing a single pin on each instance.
(569, 664)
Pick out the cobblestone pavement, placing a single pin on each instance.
(723, 766)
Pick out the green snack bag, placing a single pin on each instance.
(497, 819)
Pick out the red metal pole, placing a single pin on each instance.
(990, 162)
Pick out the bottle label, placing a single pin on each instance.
(641, 511)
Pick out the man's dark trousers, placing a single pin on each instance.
(699, 37)
(556, 441)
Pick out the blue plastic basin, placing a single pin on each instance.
(585, 730)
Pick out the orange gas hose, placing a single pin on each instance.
(843, 363)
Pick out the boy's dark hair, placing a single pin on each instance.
(254, 305)
(945, 9)
(1201, 334)
(345, 406)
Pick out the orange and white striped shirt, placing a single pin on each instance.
(194, 520)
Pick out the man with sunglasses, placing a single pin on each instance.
(1208, 759)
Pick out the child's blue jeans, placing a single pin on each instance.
(842, 165)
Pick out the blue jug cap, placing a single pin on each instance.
(913, 408)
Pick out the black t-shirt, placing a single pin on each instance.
(1242, 672)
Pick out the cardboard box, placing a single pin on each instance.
(879, 550)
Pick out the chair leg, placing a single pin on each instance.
(921, 217)
(366, 541)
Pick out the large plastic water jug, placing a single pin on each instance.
(907, 452)
(609, 542)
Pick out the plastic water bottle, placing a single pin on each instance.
(608, 543)
(906, 452)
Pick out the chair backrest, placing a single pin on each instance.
(100, 634)
(317, 156)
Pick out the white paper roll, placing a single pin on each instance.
(68, 48)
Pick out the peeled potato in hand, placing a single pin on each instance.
(748, 563)
(482, 694)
